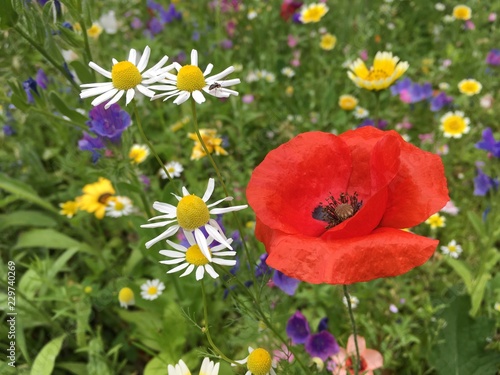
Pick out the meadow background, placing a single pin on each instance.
(440, 318)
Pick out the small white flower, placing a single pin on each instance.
(119, 206)
(453, 249)
(109, 22)
(192, 256)
(126, 77)
(191, 214)
(151, 289)
(191, 81)
(440, 7)
(252, 14)
(360, 112)
(179, 369)
(354, 301)
(287, 71)
(174, 169)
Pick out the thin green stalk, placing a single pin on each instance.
(47, 56)
(81, 20)
(354, 331)
(219, 176)
(377, 107)
(206, 330)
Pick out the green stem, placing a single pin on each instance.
(81, 20)
(47, 56)
(206, 330)
(353, 323)
(219, 176)
(377, 107)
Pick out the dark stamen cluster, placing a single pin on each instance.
(337, 210)
(103, 198)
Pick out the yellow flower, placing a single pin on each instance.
(348, 102)
(462, 12)
(96, 196)
(87, 289)
(69, 208)
(385, 71)
(289, 91)
(138, 153)
(469, 87)
(126, 297)
(259, 362)
(180, 124)
(436, 221)
(212, 142)
(94, 31)
(313, 12)
(328, 42)
(454, 124)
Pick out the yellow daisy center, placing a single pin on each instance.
(452, 248)
(259, 362)
(454, 125)
(152, 290)
(377, 74)
(125, 75)
(469, 87)
(195, 256)
(126, 295)
(119, 206)
(138, 155)
(462, 12)
(192, 212)
(314, 13)
(190, 78)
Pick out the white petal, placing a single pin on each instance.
(209, 191)
(224, 262)
(194, 57)
(169, 232)
(230, 82)
(183, 96)
(100, 70)
(167, 88)
(217, 235)
(190, 237)
(97, 85)
(179, 268)
(177, 246)
(200, 271)
(217, 211)
(104, 97)
(115, 61)
(132, 56)
(188, 270)
(117, 97)
(219, 247)
(172, 254)
(168, 97)
(158, 224)
(145, 91)
(198, 96)
(222, 74)
(95, 91)
(208, 69)
(185, 191)
(130, 96)
(219, 201)
(202, 243)
(211, 271)
(158, 65)
(172, 261)
(144, 59)
(224, 253)
(165, 208)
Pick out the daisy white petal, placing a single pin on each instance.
(102, 98)
(141, 65)
(132, 55)
(209, 191)
(211, 271)
(100, 70)
(180, 268)
(114, 99)
(188, 270)
(198, 96)
(200, 271)
(172, 261)
(172, 254)
(169, 232)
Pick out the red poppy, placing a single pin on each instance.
(331, 209)
(288, 8)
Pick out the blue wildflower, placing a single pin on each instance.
(89, 143)
(108, 123)
(42, 79)
(488, 143)
(30, 86)
(286, 284)
(439, 101)
(8, 130)
(380, 124)
(483, 183)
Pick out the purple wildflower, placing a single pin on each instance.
(170, 15)
(297, 328)
(380, 124)
(30, 86)
(488, 143)
(493, 57)
(108, 123)
(41, 79)
(8, 130)
(483, 183)
(439, 101)
(88, 143)
(322, 345)
(287, 284)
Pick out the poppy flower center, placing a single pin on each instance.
(190, 78)
(337, 210)
(103, 198)
(192, 212)
(125, 75)
(349, 364)
(195, 256)
(259, 362)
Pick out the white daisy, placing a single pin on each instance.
(259, 362)
(126, 77)
(453, 249)
(191, 214)
(192, 256)
(190, 81)
(354, 301)
(179, 369)
(209, 368)
(360, 112)
(119, 206)
(151, 289)
(174, 169)
(287, 71)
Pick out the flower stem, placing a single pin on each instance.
(81, 20)
(47, 56)
(145, 138)
(219, 176)
(206, 330)
(353, 323)
(377, 107)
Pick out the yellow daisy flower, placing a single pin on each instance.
(313, 12)
(94, 31)
(259, 362)
(328, 42)
(469, 87)
(138, 153)
(436, 221)
(69, 208)
(126, 297)
(454, 124)
(348, 102)
(385, 71)
(462, 12)
(212, 142)
(96, 196)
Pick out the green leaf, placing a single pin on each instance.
(477, 223)
(463, 271)
(82, 71)
(61, 262)
(460, 350)
(26, 218)
(477, 293)
(30, 283)
(24, 191)
(97, 364)
(8, 16)
(50, 239)
(76, 368)
(45, 360)
(63, 108)
(158, 364)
